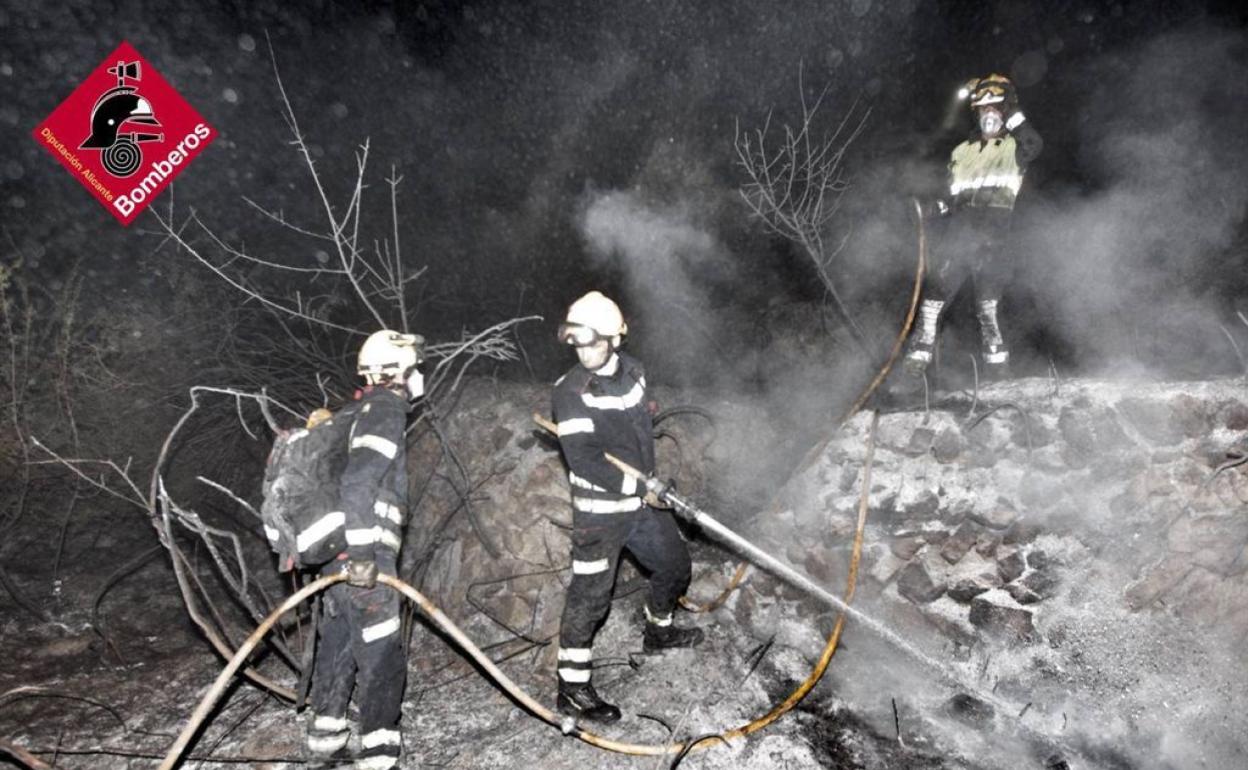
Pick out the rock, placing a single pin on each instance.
(998, 616)
(926, 506)
(1089, 434)
(849, 478)
(1022, 532)
(1078, 436)
(905, 547)
(1157, 581)
(948, 445)
(920, 442)
(1020, 429)
(966, 589)
(917, 584)
(1022, 594)
(1011, 566)
(935, 536)
(882, 565)
(1190, 415)
(500, 436)
(969, 710)
(961, 541)
(1039, 491)
(908, 528)
(997, 517)
(1043, 582)
(986, 544)
(1233, 415)
(1038, 559)
(1215, 542)
(1151, 419)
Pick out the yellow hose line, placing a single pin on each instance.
(565, 724)
(209, 701)
(742, 570)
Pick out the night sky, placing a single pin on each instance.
(510, 121)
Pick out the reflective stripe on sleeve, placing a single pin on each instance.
(388, 511)
(577, 481)
(585, 505)
(382, 446)
(378, 534)
(629, 486)
(320, 530)
(271, 533)
(590, 567)
(574, 426)
(379, 762)
(1015, 121)
(999, 357)
(380, 630)
(389, 539)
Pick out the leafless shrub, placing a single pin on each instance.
(795, 182)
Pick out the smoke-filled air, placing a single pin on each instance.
(624, 384)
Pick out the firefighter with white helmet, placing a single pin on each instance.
(985, 175)
(600, 406)
(359, 647)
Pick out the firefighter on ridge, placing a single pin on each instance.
(358, 642)
(600, 406)
(985, 174)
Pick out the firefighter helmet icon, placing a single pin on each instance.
(118, 108)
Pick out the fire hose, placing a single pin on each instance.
(566, 725)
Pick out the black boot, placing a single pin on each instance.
(582, 702)
(670, 637)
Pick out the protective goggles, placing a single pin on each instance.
(577, 335)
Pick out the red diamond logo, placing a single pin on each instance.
(124, 133)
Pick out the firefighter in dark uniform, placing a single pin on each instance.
(359, 647)
(601, 406)
(985, 174)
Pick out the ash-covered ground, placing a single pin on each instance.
(1052, 576)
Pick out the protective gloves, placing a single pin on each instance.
(362, 574)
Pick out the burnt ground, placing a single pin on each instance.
(1064, 591)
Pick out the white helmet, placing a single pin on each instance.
(389, 354)
(594, 313)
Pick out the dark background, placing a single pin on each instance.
(511, 121)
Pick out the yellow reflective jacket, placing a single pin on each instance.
(989, 173)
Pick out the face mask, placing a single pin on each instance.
(594, 357)
(415, 384)
(990, 122)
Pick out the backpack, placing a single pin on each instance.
(301, 494)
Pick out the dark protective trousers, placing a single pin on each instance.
(970, 243)
(653, 538)
(360, 648)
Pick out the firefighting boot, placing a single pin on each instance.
(582, 702)
(662, 634)
(658, 638)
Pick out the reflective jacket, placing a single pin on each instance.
(374, 484)
(597, 414)
(989, 172)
